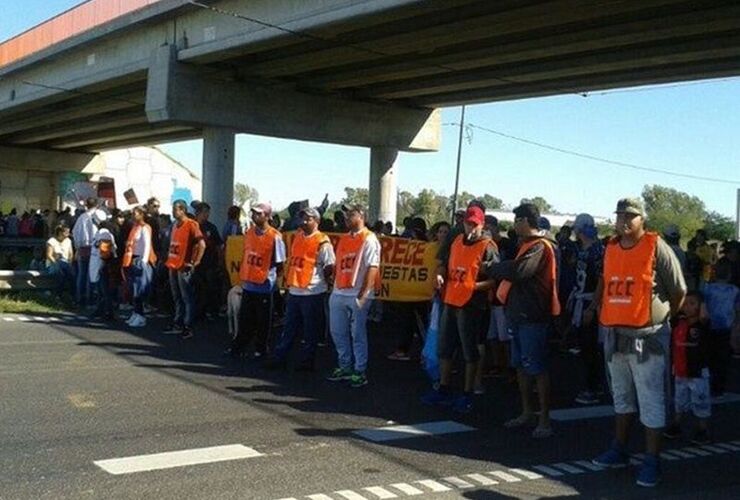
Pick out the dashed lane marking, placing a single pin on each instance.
(380, 492)
(482, 479)
(407, 489)
(350, 495)
(394, 432)
(434, 485)
(505, 476)
(458, 483)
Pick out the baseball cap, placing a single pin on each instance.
(672, 231)
(262, 208)
(346, 208)
(630, 206)
(311, 212)
(543, 223)
(475, 215)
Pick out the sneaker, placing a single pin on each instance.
(587, 398)
(649, 473)
(173, 328)
(186, 334)
(339, 375)
(436, 397)
(614, 458)
(138, 321)
(700, 437)
(672, 432)
(399, 356)
(462, 404)
(357, 380)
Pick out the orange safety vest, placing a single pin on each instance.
(303, 255)
(628, 283)
(502, 292)
(257, 256)
(128, 254)
(462, 270)
(348, 263)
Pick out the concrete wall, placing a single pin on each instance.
(27, 189)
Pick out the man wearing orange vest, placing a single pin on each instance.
(261, 267)
(465, 297)
(641, 287)
(355, 276)
(310, 262)
(528, 289)
(186, 250)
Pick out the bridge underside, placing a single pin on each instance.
(413, 56)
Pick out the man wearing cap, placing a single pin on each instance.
(310, 262)
(589, 262)
(184, 255)
(262, 265)
(641, 288)
(465, 296)
(528, 289)
(355, 277)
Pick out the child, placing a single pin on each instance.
(38, 263)
(722, 301)
(690, 368)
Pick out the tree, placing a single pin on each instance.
(541, 204)
(719, 227)
(665, 206)
(352, 196)
(243, 194)
(491, 202)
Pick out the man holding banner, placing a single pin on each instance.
(311, 261)
(464, 277)
(356, 274)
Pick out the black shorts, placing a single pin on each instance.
(460, 326)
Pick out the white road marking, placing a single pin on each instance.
(39, 318)
(667, 456)
(350, 495)
(698, 451)
(320, 496)
(681, 454)
(729, 446)
(527, 473)
(179, 458)
(433, 485)
(458, 483)
(547, 470)
(407, 489)
(380, 492)
(715, 449)
(590, 465)
(480, 478)
(504, 476)
(567, 468)
(23, 318)
(6, 318)
(581, 413)
(393, 432)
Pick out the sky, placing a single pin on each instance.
(689, 128)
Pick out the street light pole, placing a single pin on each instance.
(459, 156)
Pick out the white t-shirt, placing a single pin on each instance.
(318, 282)
(369, 257)
(62, 250)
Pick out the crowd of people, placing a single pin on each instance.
(658, 322)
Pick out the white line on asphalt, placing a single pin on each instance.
(320, 496)
(504, 476)
(23, 318)
(433, 485)
(350, 495)
(6, 318)
(480, 478)
(715, 449)
(393, 432)
(179, 458)
(567, 468)
(668, 456)
(729, 446)
(458, 483)
(547, 470)
(38, 318)
(681, 454)
(527, 473)
(407, 489)
(590, 465)
(697, 451)
(380, 492)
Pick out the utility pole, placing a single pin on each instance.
(459, 156)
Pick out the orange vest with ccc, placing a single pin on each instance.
(304, 253)
(462, 270)
(257, 256)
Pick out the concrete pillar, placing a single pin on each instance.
(218, 172)
(383, 192)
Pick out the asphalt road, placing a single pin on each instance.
(77, 396)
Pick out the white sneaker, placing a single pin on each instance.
(131, 318)
(138, 321)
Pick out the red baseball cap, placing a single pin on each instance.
(475, 215)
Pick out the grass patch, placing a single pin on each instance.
(33, 302)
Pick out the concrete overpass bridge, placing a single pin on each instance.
(360, 72)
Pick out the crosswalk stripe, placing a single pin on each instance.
(39, 318)
(526, 473)
(504, 476)
(480, 478)
(407, 489)
(23, 318)
(350, 495)
(380, 492)
(458, 483)
(698, 451)
(715, 449)
(588, 465)
(667, 456)
(319, 496)
(6, 318)
(433, 485)
(568, 468)
(682, 454)
(393, 432)
(547, 470)
(729, 446)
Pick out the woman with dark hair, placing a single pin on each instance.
(232, 227)
(138, 258)
(59, 256)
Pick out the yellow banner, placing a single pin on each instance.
(406, 269)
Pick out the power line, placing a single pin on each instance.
(652, 88)
(596, 158)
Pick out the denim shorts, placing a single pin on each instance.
(639, 385)
(692, 394)
(529, 347)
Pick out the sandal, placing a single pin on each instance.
(520, 421)
(541, 432)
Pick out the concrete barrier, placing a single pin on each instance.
(26, 280)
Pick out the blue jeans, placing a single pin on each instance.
(529, 347)
(83, 288)
(139, 276)
(64, 274)
(181, 285)
(105, 299)
(304, 314)
(348, 325)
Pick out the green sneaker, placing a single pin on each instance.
(357, 380)
(339, 375)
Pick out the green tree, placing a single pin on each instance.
(491, 202)
(541, 203)
(431, 206)
(665, 206)
(352, 196)
(243, 194)
(719, 227)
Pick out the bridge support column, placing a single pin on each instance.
(218, 172)
(383, 192)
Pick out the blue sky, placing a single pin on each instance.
(689, 129)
